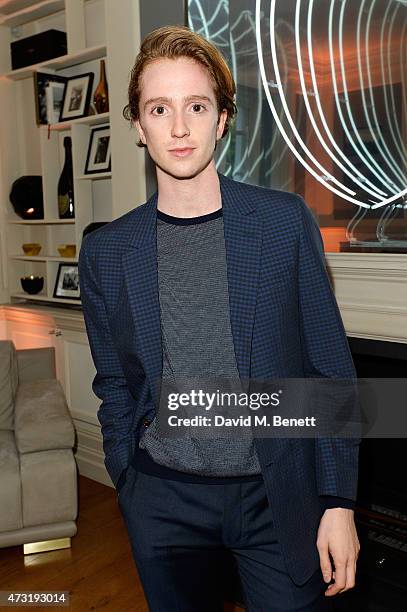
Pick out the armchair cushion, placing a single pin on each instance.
(35, 364)
(49, 487)
(10, 489)
(8, 383)
(41, 417)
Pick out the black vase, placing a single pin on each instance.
(26, 197)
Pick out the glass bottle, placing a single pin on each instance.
(101, 95)
(66, 206)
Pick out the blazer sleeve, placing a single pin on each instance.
(109, 384)
(326, 353)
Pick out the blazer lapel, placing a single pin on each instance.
(243, 237)
(140, 270)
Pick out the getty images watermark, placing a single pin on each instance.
(198, 398)
(281, 407)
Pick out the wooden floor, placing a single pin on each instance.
(98, 570)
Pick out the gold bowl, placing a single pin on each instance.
(31, 248)
(67, 250)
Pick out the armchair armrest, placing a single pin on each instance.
(41, 417)
(35, 364)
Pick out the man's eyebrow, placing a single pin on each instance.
(185, 99)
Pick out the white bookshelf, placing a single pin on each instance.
(95, 177)
(96, 29)
(91, 121)
(7, 7)
(40, 221)
(29, 11)
(40, 297)
(58, 63)
(32, 258)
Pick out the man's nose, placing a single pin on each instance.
(179, 126)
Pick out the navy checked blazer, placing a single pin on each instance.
(285, 323)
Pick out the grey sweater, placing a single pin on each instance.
(197, 340)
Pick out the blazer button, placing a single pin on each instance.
(146, 422)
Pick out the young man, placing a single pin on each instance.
(212, 277)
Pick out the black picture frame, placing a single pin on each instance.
(77, 95)
(49, 94)
(67, 282)
(98, 158)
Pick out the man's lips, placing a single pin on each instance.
(181, 152)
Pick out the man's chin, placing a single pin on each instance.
(183, 171)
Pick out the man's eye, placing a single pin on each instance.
(195, 105)
(158, 108)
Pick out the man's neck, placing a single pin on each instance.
(188, 198)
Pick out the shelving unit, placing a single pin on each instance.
(91, 121)
(96, 29)
(58, 63)
(39, 221)
(40, 297)
(95, 177)
(8, 7)
(44, 258)
(31, 12)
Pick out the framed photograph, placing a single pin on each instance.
(77, 93)
(98, 157)
(67, 282)
(49, 93)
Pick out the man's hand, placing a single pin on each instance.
(337, 535)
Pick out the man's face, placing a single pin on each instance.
(178, 110)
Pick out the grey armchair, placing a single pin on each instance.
(38, 473)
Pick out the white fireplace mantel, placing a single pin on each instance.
(371, 290)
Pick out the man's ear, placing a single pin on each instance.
(140, 130)
(221, 123)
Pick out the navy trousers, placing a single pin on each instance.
(179, 533)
